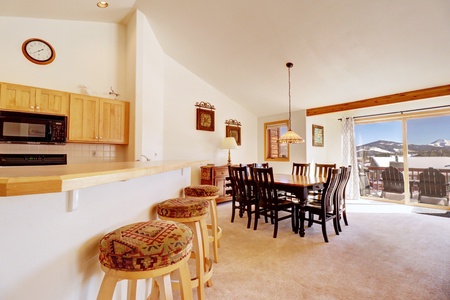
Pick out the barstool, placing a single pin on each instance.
(192, 212)
(146, 250)
(210, 193)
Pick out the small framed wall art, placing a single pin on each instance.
(233, 129)
(317, 133)
(205, 116)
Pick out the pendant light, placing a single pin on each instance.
(290, 137)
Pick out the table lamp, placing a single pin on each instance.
(229, 143)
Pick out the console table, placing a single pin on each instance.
(216, 175)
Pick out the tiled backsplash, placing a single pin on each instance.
(76, 153)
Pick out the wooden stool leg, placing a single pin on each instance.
(107, 288)
(154, 295)
(166, 291)
(198, 253)
(214, 229)
(132, 285)
(207, 264)
(185, 282)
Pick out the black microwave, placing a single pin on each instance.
(18, 127)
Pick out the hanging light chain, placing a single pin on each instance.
(289, 65)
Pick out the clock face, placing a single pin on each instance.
(38, 51)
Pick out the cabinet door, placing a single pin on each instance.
(113, 121)
(219, 174)
(17, 97)
(52, 102)
(83, 118)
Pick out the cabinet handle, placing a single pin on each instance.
(31, 106)
(37, 107)
(100, 138)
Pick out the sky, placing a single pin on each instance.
(420, 131)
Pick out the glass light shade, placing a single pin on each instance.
(229, 143)
(291, 137)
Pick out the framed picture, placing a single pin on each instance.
(205, 119)
(317, 133)
(234, 131)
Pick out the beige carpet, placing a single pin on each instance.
(386, 252)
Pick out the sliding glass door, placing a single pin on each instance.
(405, 159)
(429, 159)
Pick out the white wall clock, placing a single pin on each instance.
(38, 51)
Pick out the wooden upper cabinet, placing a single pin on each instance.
(83, 118)
(30, 99)
(52, 102)
(17, 97)
(113, 121)
(97, 120)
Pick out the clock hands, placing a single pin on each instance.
(38, 50)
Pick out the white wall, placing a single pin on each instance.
(49, 253)
(149, 92)
(181, 139)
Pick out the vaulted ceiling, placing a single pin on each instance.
(342, 50)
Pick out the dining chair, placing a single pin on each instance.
(320, 170)
(392, 181)
(340, 195)
(244, 198)
(300, 169)
(273, 206)
(325, 206)
(432, 183)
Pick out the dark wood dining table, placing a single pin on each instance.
(298, 185)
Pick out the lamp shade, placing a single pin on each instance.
(229, 143)
(291, 137)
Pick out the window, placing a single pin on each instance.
(272, 149)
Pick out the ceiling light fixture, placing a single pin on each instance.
(102, 4)
(290, 137)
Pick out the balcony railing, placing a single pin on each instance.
(372, 182)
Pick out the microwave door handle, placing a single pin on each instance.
(49, 130)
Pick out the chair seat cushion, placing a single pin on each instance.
(183, 208)
(201, 190)
(145, 246)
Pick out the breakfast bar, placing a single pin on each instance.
(43, 237)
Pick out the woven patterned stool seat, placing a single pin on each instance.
(146, 250)
(210, 193)
(201, 191)
(180, 208)
(193, 213)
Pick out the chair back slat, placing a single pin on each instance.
(321, 170)
(300, 169)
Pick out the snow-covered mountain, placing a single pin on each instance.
(440, 143)
(386, 148)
